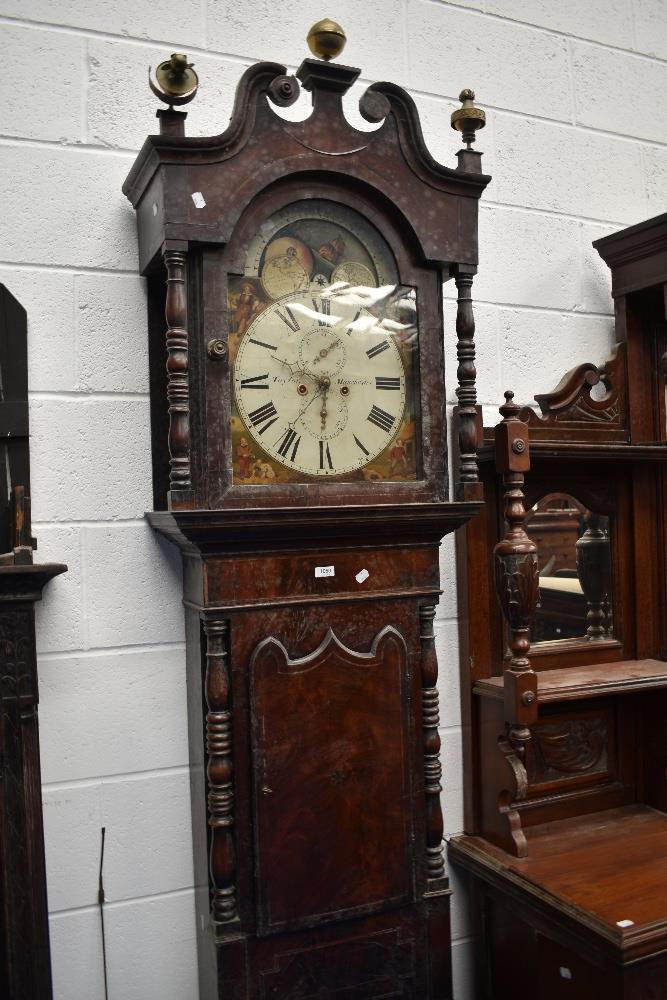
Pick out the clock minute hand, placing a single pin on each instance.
(324, 386)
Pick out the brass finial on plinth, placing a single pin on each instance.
(177, 81)
(326, 39)
(467, 119)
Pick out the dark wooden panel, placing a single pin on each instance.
(291, 577)
(25, 970)
(506, 936)
(331, 775)
(562, 973)
(14, 448)
(380, 956)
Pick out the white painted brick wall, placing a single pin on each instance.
(572, 160)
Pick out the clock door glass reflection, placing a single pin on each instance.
(324, 349)
(574, 554)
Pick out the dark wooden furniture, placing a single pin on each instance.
(310, 589)
(566, 825)
(25, 968)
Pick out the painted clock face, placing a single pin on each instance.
(323, 342)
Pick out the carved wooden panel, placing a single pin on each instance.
(579, 745)
(330, 745)
(570, 748)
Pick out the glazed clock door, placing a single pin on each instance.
(323, 346)
(330, 745)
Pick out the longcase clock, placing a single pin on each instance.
(300, 463)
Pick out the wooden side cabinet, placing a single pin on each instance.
(566, 813)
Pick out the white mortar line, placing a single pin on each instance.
(70, 268)
(146, 43)
(100, 652)
(123, 395)
(233, 57)
(111, 904)
(538, 309)
(26, 142)
(121, 523)
(547, 30)
(121, 778)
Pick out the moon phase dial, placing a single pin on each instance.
(283, 275)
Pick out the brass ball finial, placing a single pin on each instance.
(326, 39)
(176, 80)
(467, 119)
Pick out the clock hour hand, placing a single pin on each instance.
(294, 367)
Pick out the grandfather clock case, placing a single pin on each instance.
(300, 464)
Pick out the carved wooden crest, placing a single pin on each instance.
(572, 403)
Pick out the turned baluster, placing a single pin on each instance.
(469, 486)
(219, 772)
(594, 572)
(435, 863)
(516, 576)
(178, 392)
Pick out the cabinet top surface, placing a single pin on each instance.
(610, 866)
(595, 680)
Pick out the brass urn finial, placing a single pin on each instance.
(326, 39)
(177, 81)
(467, 119)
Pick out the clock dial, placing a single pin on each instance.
(323, 342)
(325, 393)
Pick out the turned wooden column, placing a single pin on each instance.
(516, 576)
(219, 773)
(435, 863)
(178, 392)
(594, 572)
(468, 486)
